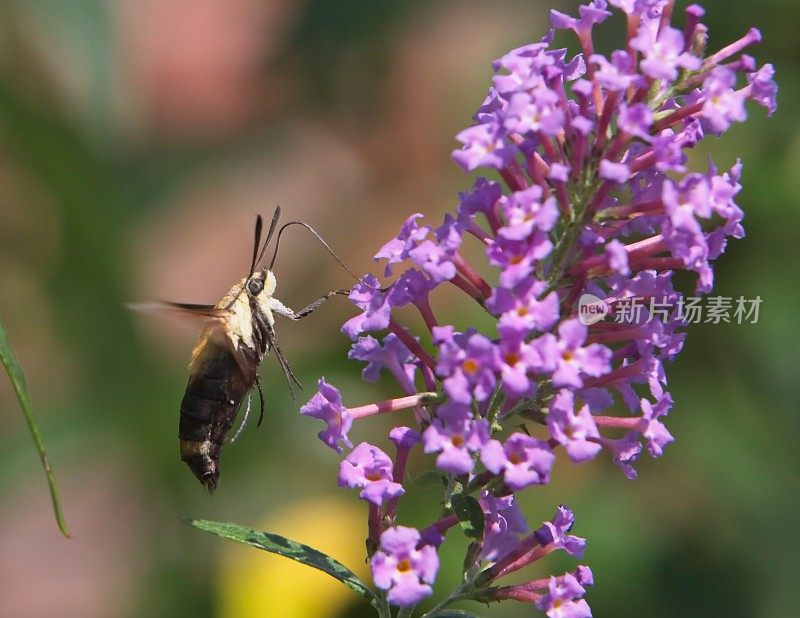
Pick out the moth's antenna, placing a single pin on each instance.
(256, 244)
(319, 238)
(272, 226)
(257, 257)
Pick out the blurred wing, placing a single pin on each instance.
(214, 333)
(205, 313)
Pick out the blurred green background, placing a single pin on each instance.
(138, 139)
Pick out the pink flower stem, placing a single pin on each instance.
(373, 528)
(752, 36)
(493, 217)
(480, 480)
(532, 555)
(587, 45)
(563, 199)
(617, 422)
(629, 371)
(633, 27)
(666, 15)
(518, 592)
(513, 178)
(617, 335)
(471, 275)
(599, 197)
(557, 85)
(478, 232)
(649, 207)
(674, 118)
(617, 146)
(646, 247)
(426, 312)
(602, 124)
(412, 344)
(392, 405)
(578, 155)
(428, 378)
(572, 294)
(466, 286)
(549, 148)
(442, 525)
(692, 19)
(527, 544)
(537, 170)
(398, 473)
(636, 250)
(661, 263)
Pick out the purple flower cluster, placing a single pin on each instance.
(592, 195)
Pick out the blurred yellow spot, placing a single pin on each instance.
(256, 583)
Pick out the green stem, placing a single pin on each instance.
(17, 377)
(459, 594)
(405, 611)
(383, 609)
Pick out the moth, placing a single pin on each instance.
(239, 331)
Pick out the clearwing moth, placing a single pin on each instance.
(238, 332)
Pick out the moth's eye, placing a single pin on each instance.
(254, 286)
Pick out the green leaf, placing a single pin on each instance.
(17, 377)
(469, 513)
(298, 552)
(430, 478)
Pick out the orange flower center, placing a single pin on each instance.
(457, 440)
(374, 476)
(512, 359)
(470, 365)
(404, 566)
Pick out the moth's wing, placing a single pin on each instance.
(214, 320)
(186, 310)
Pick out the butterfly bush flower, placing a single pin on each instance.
(369, 468)
(402, 568)
(584, 187)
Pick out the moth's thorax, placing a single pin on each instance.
(239, 320)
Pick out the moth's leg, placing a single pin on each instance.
(244, 420)
(281, 309)
(287, 372)
(260, 399)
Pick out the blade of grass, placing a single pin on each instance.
(17, 377)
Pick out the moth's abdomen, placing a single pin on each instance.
(213, 395)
